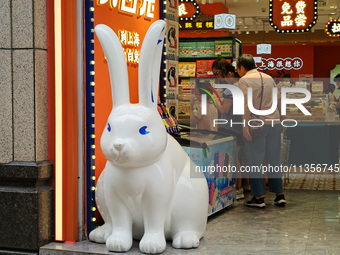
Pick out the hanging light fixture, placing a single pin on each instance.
(263, 48)
(255, 26)
(225, 21)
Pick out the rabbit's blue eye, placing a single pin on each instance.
(143, 130)
(108, 127)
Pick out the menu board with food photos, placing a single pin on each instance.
(224, 48)
(206, 49)
(187, 49)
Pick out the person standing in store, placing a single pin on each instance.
(330, 93)
(268, 144)
(202, 121)
(337, 93)
(226, 74)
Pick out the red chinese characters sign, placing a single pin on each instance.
(188, 10)
(293, 16)
(191, 17)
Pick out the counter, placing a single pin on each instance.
(314, 141)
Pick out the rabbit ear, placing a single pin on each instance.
(115, 57)
(149, 63)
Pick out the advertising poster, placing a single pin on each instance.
(172, 105)
(171, 10)
(172, 79)
(172, 40)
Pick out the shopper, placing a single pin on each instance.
(329, 93)
(226, 74)
(337, 80)
(202, 121)
(268, 144)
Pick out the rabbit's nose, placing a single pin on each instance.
(118, 146)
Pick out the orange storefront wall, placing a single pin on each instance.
(117, 20)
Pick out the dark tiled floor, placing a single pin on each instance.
(309, 224)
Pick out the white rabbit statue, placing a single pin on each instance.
(147, 190)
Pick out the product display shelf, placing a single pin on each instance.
(196, 56)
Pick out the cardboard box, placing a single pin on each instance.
(204, 68)
(187, 69)
(317, 87)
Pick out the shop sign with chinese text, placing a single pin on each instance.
(191, 18)
(333, 28)
(146, 9)
(293, 16)
(281, 63)
(130, 42)
(202, 22)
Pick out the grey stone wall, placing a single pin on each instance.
(26, 198)
(23, 81)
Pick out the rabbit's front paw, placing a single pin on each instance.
(99, 235)
(186, 240)
(119, 241)
(152, 243)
